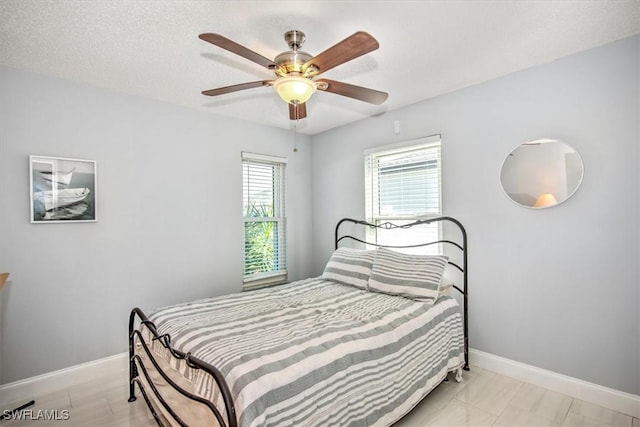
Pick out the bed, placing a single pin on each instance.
(360, 345)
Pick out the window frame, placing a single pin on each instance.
(280, 274)
(372, 191)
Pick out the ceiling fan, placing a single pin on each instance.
(296, 71)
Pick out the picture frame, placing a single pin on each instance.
(62, 190)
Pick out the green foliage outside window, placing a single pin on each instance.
(260, 240)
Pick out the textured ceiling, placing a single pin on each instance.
(427, 48)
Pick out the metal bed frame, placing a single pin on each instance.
(227, 416)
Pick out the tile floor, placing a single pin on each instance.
(483, 399)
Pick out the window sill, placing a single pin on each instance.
(263, 280)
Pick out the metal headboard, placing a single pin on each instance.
(461, 245)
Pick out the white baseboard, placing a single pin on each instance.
(625, 403)
(30, 388)
(619, 401)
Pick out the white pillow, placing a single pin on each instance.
(349, 266)
(413, 276)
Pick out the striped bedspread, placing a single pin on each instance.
(318, 353)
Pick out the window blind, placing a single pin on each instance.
(403, 184)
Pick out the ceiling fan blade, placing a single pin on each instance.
(231, 46)
(350, 48)
(352, 91)
(297, 111)
(236, 88)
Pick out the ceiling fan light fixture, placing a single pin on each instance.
(294, 89)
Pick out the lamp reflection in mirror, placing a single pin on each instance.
(3, 278)
(545, 200)
(294, 89)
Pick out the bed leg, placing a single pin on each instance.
(466, 341)
(132, 397)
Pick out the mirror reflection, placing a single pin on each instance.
(541, 173)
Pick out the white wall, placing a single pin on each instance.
(169, 216)
(555, 288)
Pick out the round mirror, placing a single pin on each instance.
(541, 173)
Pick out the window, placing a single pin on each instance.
(263, 207)
(402, 184)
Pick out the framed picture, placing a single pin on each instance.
(62, 190)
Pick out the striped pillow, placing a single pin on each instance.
(413, 276)
(349, 266)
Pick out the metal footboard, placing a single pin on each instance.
(143, 361)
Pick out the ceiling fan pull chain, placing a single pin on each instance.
(295, 143)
